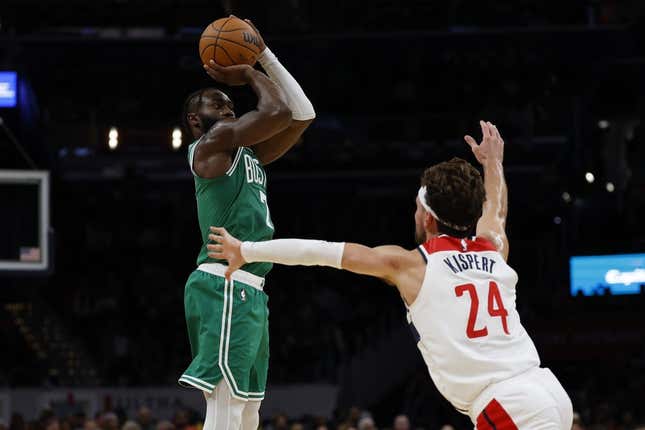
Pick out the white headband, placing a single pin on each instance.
(423, 192)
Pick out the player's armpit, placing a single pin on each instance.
(276, 146)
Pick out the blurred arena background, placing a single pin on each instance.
(92, 332)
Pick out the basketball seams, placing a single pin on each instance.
(239, 44)
(236, 29)
(219, 31)
(208, 36)
(223, 27)
(206, 47)
(227, 54)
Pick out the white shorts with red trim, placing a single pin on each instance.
(533, 400)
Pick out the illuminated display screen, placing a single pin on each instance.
(607, 274)
(8, 85)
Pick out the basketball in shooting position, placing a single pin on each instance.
(229, 41)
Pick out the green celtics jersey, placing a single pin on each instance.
(236, 201)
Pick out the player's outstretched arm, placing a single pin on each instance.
(302, 110)
(384, 262)
(271, 115)
(490, 153)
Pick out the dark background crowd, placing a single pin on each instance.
(353, 418)
(395, 85)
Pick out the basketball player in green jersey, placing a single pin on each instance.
(228, 319)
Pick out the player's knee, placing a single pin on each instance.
(251, 416)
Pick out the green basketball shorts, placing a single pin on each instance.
(228, 330)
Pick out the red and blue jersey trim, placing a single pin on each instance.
(449, 243)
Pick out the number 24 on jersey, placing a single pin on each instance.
(495, 308)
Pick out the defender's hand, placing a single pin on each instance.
(226, 247)
(232, 75)
(492, 146)
(261, 40)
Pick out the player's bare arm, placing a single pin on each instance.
(271, 116)
(393, 264)
(302, 110)
(490, 154)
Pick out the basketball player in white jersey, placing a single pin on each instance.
(458, 289)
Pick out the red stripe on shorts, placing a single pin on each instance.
(482, 424)
(495, 417)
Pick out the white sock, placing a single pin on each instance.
(223, 411)
(251, 415)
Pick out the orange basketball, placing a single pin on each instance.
(229, 41)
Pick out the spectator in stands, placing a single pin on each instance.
(366, 423)
(354, 416)
(90, 425)
(184, 420)
(165, 425)
(109, 421)
(401, 422)
(577, 422)
(297, 426)
(447, 427)
(279, 422)
(76, 421)
(131, 425)
(17, 422)
(320, 423)
(145, 418)
(49, 420)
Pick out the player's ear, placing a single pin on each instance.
(429, 222)
(193, 120)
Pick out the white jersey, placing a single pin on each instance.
(464, 319)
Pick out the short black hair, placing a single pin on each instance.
(455, 192)
(192, 105)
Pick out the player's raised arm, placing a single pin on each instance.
(302, 110)
(271, 115)
(490, 153)
(390, 263)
